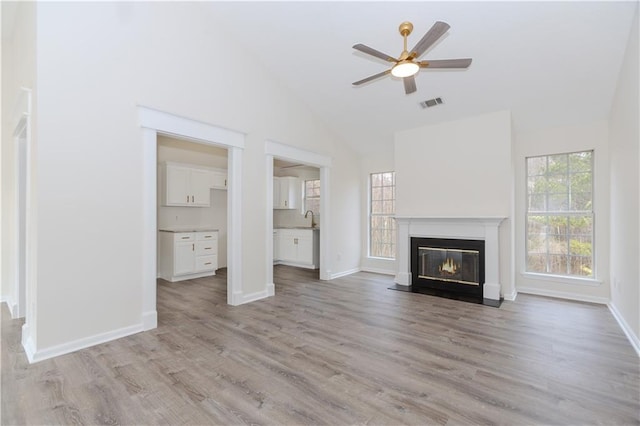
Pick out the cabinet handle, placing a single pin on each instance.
(193, 247)
(207, 236)
(285, 203)
(192, 199)
(187, 198)
(208, 263)
(295, 241)
(185, 238)
(208, 248)
(225, 182)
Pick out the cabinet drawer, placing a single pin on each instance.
(184, 236)
(206, 248)
(206, 263)
(206, 236)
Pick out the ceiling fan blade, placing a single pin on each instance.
(373, 77)
(373, 52)
(446, 63)
(437, 31)
(409, 84)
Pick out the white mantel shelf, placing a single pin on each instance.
(470, 228)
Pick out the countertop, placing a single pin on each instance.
(188, 229)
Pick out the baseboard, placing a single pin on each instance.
(271, 289)
(27, 344)
(297, 265)
(633, 339)
(241, 299)
(11, 305)
(65, 348)
(149, 320)
(378, 271)
(343, 273)
(563, 295)
(511, 296)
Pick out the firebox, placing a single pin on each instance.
(451, 268)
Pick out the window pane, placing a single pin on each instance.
(382, 231)
(560, 233)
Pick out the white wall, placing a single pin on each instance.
(18, 70)
(96, 62)
(460, 168)
(582, 137)
(624, 139)
(373, 163)
(214, 216)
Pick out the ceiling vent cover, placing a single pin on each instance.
(431, 102)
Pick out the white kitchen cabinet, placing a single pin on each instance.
(186, 255)
(182, 185)
(287, 192)
(298, 247)
(219, 179)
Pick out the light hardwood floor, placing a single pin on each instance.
(347, 351)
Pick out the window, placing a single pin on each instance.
(312, 196)
(382, 208)
(559, 222)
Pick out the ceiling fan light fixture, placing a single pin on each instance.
(405, 69)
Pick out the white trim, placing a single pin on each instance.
(287, 152)
(241, 299)
(291, 153)
(563, 295)
(153, 122)
(76, 345)
(344, 273)
(633, 339)
(271, 289)
(511, 296)
(185, 127)
(27, 343)
(378, 270)
(234, 223)
(149, 320)
(562, 279)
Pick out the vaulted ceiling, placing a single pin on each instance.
(550, 63)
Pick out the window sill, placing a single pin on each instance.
(562, 279)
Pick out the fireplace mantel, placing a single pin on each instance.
(470, 228)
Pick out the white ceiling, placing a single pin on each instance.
(549, 63)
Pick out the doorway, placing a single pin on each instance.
(154, 122)
(282, 152)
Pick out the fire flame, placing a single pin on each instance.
(448, 266)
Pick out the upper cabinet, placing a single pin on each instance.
(219, 179)
(287, 192)
(185, 185)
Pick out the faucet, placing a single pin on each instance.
(313, 222)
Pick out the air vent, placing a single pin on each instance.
(431, 102)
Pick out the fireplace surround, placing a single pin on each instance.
(483, 229)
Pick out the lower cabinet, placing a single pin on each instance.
(186, 255)
(297, 247)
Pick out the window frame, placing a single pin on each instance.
(567, 213)
(371, 215)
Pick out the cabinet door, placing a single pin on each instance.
(200, 180)
(276, 245)
(218, 180)
(178, 193)
(288, 248)
(305, 250)
(183, 257)
(276, 193)
(289, 192)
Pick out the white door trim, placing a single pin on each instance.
(154, 122)
(323, 162)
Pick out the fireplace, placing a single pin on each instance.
(451, 268)
(473, 229)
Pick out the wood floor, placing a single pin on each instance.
(347, 351)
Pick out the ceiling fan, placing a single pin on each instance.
(406, 65)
